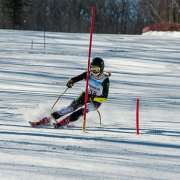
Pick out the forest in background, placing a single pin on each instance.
(112, 16)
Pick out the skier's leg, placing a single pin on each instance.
(91, 106)
(72, 117)
(62, 112)
(78, 102)
(77, 114)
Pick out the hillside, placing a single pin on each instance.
(31, 78)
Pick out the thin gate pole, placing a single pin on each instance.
(88, 69)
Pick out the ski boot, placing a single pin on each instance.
(62, 122)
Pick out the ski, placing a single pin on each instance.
(63, 122)
(42, 122)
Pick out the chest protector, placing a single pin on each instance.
(95, 84)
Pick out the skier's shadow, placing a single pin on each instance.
(163, 132)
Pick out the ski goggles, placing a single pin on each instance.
(95, 70)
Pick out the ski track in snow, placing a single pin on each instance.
(31, 78)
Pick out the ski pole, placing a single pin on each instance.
(59, 98)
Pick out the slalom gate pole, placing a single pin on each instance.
(99, 116)
(137, 115)
(88, 68)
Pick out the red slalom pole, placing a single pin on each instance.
(137, 115)
(88, 69)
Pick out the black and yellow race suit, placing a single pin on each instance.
(97, 93)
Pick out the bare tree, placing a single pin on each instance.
(160, 10)
(112, 16)
(7, 13)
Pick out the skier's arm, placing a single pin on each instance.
(105, 93)
(75, 79)
(79, 77)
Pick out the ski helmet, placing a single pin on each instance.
(98, 62)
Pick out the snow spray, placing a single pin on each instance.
(36, 113)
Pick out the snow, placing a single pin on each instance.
(170, 34)
(31, 78)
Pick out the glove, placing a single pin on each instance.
(70, 83)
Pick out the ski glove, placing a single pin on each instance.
(70, 83)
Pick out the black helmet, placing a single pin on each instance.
(98, 62)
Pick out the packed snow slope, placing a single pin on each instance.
(33, 76)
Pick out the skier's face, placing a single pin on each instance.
(95, 70)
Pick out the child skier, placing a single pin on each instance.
(98, 93)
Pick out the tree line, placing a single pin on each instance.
(112, 16)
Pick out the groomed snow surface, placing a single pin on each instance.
(32, 77)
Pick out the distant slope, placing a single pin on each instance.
(31, 78)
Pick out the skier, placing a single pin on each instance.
(98, 93)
